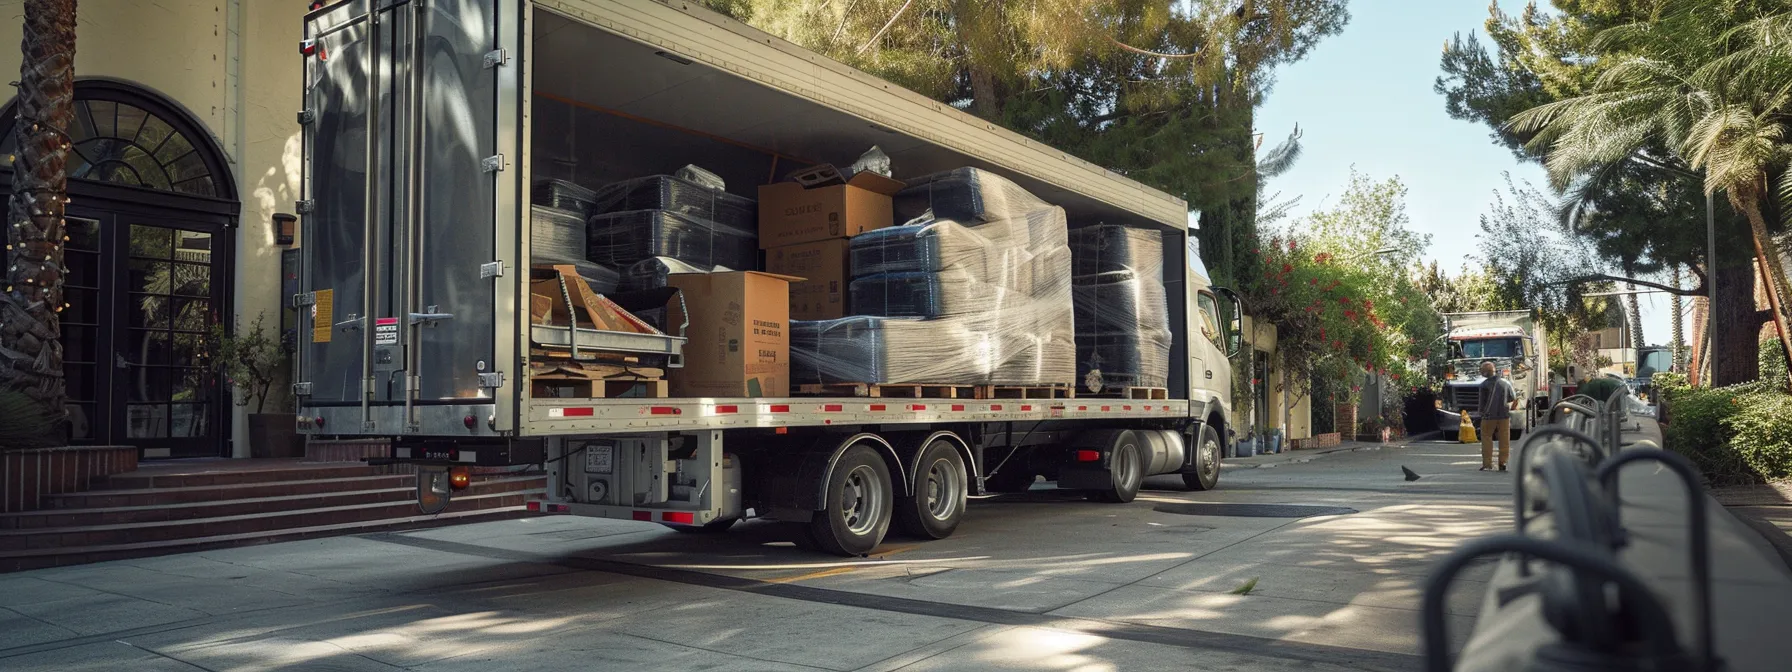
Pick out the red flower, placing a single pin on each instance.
(1323, 257)
(1349, 314)
(1291, 245)
(1287, 268)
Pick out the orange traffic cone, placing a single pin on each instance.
(1466, 433)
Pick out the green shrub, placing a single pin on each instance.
(1699, 426)
(1600, 388)
(1773, 361)
(1761, 433)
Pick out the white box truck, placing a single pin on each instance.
(1514, 341)
(425, 124)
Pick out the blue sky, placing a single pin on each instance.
(1363, 98)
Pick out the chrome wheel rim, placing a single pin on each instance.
(943, 490)
(1210, 459)
(1125, 468)
(861, 501)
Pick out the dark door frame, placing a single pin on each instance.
(117, 206)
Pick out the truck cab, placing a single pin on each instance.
(1514, 350)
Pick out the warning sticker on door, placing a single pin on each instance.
(385, 331)
(322, 319)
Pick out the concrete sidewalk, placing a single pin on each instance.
(1304, 456)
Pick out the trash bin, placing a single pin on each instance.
(1246, 447)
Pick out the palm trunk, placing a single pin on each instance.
(1678, 344)
(1772, 273)
(1734, 354)
(1635, 318)
(30, 327)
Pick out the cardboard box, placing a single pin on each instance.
(821, 295)
(739, 335)
(790, 214)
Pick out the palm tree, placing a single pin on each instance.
(30, 329)
(1708, 87)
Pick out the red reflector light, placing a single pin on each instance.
(664, 410)
(459, 478)
(728, 409)
(1124, 407)
(585, 412)
(1088, 456)
(958, 407)
(684, 517)
(831, 408)
(644, 515)
(995, 407)
(877, 407)
(781, 430)
(534, 507)
(917, 407)
(780, 408)
(470, 421)
(1107, 408)
(1026, 407)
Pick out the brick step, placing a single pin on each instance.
(218, 493)
(54, 518)
(262, 523)
(20, 560)
(174, 477)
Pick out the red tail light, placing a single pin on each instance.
(683, 517)
(534, 507)
(459, 478)
(1088, 456)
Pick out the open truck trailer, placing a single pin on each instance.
(427, 122)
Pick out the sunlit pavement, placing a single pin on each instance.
(1038, 581)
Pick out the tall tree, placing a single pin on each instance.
(30, 325)
(1646, 212)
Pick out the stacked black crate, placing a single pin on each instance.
(557, 237)
(1122, 317)
(974, 291)
(652, 227)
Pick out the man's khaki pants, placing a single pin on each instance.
(1490, 428)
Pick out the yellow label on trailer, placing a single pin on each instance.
(322, 321)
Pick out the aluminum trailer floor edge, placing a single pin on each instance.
(559, 417)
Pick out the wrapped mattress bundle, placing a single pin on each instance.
(558, 237)
(621, 239)
(564, 195)
(681, 194)
(1122, 314)
(991, 283)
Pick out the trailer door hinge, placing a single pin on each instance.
(491, 269)
(496, 57)
(301, 389)
(306, 117)
(304, 299)
(305, 207)
(492, 164)
(493, 380)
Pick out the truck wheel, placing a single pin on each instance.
(858, 505)
(1126, 470)
(1204, 474)
(938, 504)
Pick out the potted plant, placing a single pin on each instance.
(249, 360)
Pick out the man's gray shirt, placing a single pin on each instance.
(1496, 399)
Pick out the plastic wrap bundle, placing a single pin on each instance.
(651, 273)
(678, 194)
(872, 349)
(1122, 315)
(621, 239)
(992, 289)
(563, 195)
(558, 237)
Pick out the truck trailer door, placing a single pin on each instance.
(406, 214)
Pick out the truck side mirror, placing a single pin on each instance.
(1235, 324)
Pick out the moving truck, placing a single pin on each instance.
(1514, 341)
(426, 124)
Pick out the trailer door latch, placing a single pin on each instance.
(496, 57)
(304, 299)
(305, 206)
(306, 117)
(491, 269)
(492, 164)
(492, 380)
(301, 389)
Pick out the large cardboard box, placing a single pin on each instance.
(790, 214)
(821, 295)
(739, 337)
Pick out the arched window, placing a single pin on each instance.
(122, 143)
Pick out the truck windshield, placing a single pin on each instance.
(1490, 348)
(1655, 361)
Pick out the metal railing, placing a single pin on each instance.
(1568, 532)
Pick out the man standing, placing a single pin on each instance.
(1497, 401)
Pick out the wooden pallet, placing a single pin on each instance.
(1142, 393)
(579, 380)
(927, 391)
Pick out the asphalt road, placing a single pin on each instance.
(1036, 581)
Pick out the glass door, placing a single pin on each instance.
(86, 337)
(169, 397)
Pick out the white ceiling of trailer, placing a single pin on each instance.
(602, 70)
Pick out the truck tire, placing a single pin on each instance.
(858, 505)
(1204, 458)
(1126, 470)
(941, 491)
